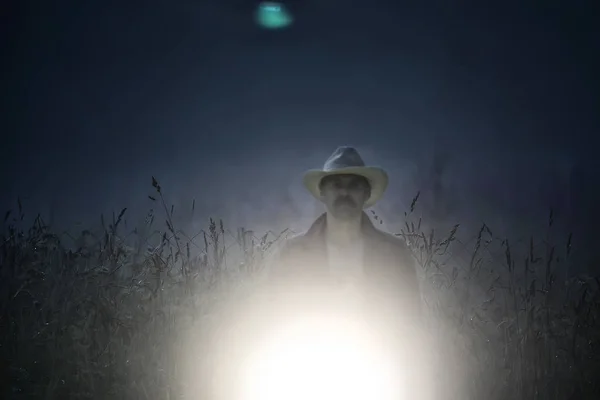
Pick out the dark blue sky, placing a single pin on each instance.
(99, 96)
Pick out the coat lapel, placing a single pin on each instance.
(315, 248)
(316, 245)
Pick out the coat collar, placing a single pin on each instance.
(378, 257)
(317, 229)
(316, 241)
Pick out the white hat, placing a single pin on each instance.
(346, 160)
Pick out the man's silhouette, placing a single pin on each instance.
(343, 252)
(343, 246)
(343, 263)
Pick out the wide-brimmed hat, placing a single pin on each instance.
(346, 160)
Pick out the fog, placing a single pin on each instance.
(490, 123)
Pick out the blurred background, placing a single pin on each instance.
(490, 111)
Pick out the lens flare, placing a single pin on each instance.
(321, 358)
(273, 15)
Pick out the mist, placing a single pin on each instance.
(490, 123)
(189, 121)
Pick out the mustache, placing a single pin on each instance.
(345, 200)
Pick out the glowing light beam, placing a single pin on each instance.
(321, 359)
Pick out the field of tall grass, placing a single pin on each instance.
(103, 318)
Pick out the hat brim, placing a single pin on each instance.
(377, 177)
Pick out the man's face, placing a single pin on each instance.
(345, 195)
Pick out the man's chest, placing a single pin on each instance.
(318, 261)
(345, 263)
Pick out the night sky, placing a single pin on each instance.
(100, 96)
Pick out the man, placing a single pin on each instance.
(343, 252)
(342, 263)
(343, 247)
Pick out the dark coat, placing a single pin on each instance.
(301, 264)
(390, 275)
(393, 297)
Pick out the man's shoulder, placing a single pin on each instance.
(391, 241)
(294, 242)
(394, 242)
(288, 257)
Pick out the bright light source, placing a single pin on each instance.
(321, 358)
